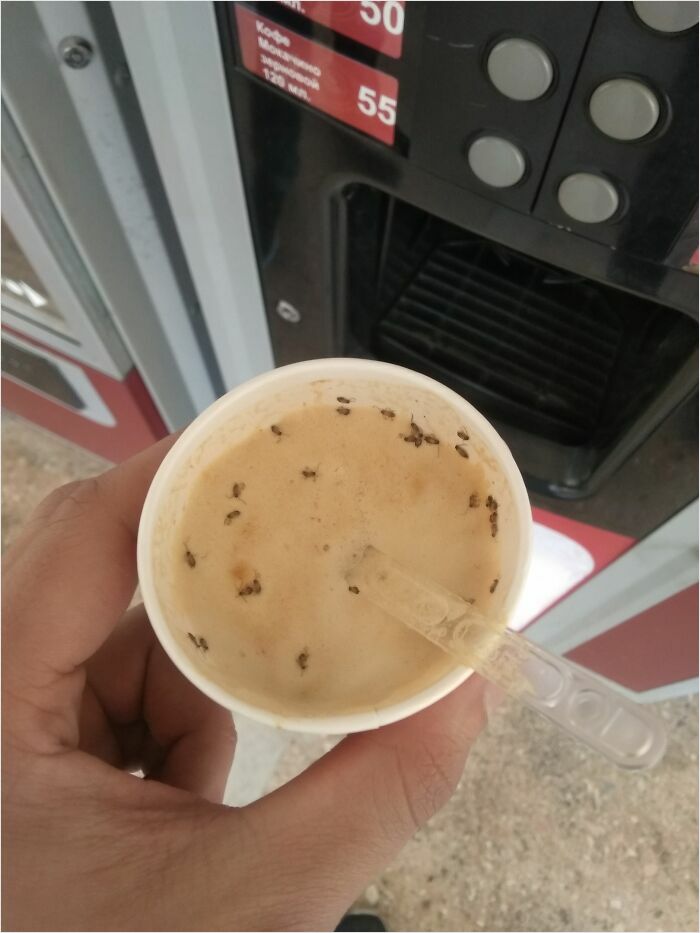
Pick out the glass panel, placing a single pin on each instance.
(39, 373)
(19, 280)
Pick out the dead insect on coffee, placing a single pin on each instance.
(231, 515)
(343, 411)
(463, 435)
(343, 400)
(494, 530)
(462, 451)
(492, 588)
(354, 589)
(491, 504)
(474, 501)
(308, 473)
(200, 643)
(415, 429)
(190, 558)
(252, 588)
(493, 518)
(276, 430)
(303, 659)
(237, 490)
(388, 413)
(430, 439)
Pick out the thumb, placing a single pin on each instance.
(332, 829)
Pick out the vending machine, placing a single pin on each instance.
(500, 195)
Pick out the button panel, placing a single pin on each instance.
(611, 130)
(568, 118)
(501, 70)
(520, 69)
(624, 109)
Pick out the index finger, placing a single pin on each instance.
(72, 573)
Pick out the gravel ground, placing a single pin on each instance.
(543, 835)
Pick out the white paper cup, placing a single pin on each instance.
(267, 399)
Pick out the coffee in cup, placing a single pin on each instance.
(271, 527)
(253, 523)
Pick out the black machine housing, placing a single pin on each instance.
(578, 341)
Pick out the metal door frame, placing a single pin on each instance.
(78, 338)
(175, 61)
(70, 123)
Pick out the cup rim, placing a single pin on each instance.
(197, 430)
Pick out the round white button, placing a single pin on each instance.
(624, 108)
(588, 198)
(496, 161)
(520, 69)
(668, 16)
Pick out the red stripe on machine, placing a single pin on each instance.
(377, 24)
(349, 91)
(658, 646)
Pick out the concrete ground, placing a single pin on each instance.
(541, 835)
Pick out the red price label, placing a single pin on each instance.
(339, 86)
(375, 23)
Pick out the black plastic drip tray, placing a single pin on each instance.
(539, 344)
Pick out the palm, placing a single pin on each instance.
(139, 712)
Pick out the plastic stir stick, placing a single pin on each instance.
(579, 702)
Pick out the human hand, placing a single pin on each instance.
(89, 694)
